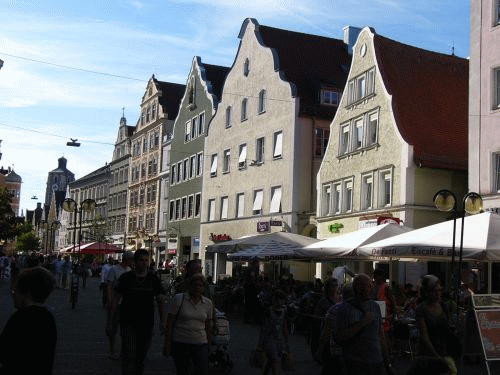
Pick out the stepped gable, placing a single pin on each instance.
(310, 62)
(429, 100)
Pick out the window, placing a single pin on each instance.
(358, 133)
(197, 204)
(192, 166)
(178, 209)
(227, 161)
(173, 176)
(186, 169)
(321, 141)
(213, 168)
(278, 144)
(141, 196)
(153, 193)
(148, 194)
(496, 87)
(199, 164)
(367, 192)
(194, 127)
(140, 222)
(190, 206)
(187, 136)
(240, 205)
(262, 101)
(153, 111)
(326, 199)
(372, 129)
(150, 168)
(496, 17)
(347, 196)
(344, 139)
(258, 197)
(361, 86)
(211, 209)
(224, 202)
(201, 124)
(246, 67)
(385, 188)
(143, 170)
(242, 159)
(259, 151)
(180, 173)
(329, 97)
(244, 109)
(275, 200)
(336, 198)
(228, 117)
(184, 207)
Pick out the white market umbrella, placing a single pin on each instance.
(345, 245)
(481, 241)
(266, 251)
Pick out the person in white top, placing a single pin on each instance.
(104, 286)
(113, 300)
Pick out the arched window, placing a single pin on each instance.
(262, 101)
(244, 109)
(246, 67)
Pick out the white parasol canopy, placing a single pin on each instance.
(345, 245)
(481, 241)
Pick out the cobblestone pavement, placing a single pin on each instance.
(82, 344)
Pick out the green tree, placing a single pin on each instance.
(8, 222)
(27, 241)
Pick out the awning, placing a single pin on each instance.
(93, 248)
(267, 251)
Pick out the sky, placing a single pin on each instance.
(71, 68)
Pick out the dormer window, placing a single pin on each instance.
(330, 97)
(246, 67)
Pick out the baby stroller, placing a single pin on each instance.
(218, 360)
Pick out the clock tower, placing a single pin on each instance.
(57, 182)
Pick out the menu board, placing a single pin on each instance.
(482, 301)
(488, 322)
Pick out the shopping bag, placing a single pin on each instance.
(257, 358)
(287, 363)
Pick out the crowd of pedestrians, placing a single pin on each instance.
(348, 319)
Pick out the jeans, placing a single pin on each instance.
(190, 359)
(135, 345)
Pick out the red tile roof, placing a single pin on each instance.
(309, 62)
(429, 100)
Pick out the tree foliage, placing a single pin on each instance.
(27, 241)
(8, 222)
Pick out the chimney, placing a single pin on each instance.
(350, 37)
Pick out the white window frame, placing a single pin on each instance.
(190, 207)
(358, 133)
(329, 97)
(197, 205)
(361, 86)
(211, 210)
(199, 164)
(201, 124)
(278, 144)
(187, 134)
(326, 199)
(259, 150)
(242, 158)
(240, 204)
(185, 163)
(496, 88)
(372, 131)
(262, 102)
(367, 191)
(348, 195)
(275, 206)
(194, 127)
(385, 176)
(192, 166)
(345, 137)
(226, 165)
(213, 166)
(258, 197)
(337, 198)
(224, 205)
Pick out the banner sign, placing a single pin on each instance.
(488, 322)
(263, 226)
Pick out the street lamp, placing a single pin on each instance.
(70, 205)
(472, 203)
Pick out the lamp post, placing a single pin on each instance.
(70, 205)
(472, 203)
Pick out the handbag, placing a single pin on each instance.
(287, 362)
(257, 358)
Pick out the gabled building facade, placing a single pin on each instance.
(484, 102)
(198, 106)
(159, 108)
(265, 143)
(399, 136)
(118, 184)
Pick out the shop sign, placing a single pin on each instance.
(220, 237)
(388, 220)
(263, 226)
(276, 223)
